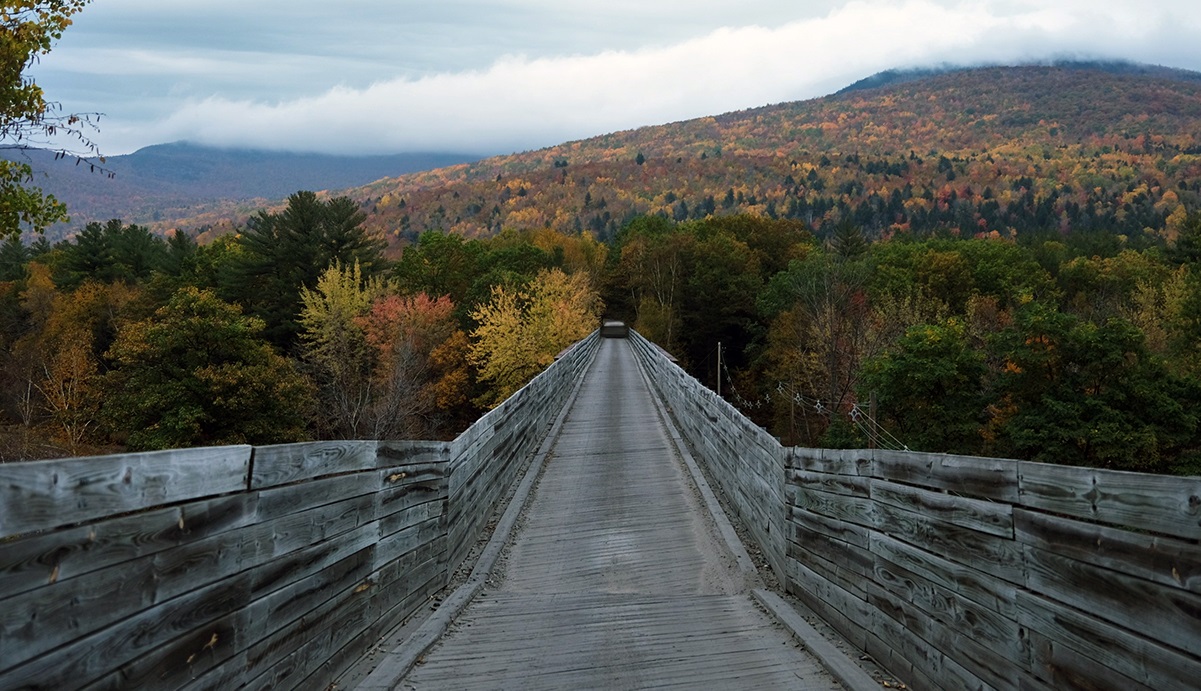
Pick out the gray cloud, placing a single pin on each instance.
(490, 77)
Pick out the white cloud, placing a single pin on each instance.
(526, 102)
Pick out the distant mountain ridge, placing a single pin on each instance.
(990, 150)
(993, 151)
(169, 180)
(1119, 67)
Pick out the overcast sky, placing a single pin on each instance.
(497, 76)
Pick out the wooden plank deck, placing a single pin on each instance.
(615, 578)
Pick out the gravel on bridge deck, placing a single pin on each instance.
(616, 577)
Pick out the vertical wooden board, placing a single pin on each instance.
(991, 517)
(1164, 560)
(953, 610)
(1064, 668)
(985, 478)
(987, 553)
(980, 587)
(43, 558)
(1112, 648)
(41, 495)
(281, 464)
(38, 621)
(1157, 503)
(1163, 613)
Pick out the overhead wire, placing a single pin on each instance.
(863, 421)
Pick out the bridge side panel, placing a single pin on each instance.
(205, 580)
(742, 458)
(959, 572)
(487, 457)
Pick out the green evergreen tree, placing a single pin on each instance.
(288, 251)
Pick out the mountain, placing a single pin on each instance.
(173, 180)
(998, 150)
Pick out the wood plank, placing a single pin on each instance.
(848, 485)
(857, 535)
(856, 462)
(1157, 503)
(1164, 560)
(40, 620)
(277, 503)
(94, 655)
(980, 587)
(413, 453)
(847, 579)
(175, 663)
(1064, 668)
(285, 605)
(851, 616)
(987, 553)
(1112, 648)
(281, 464)
(854, 510)
(984, 478)
(279, 572)
(900, 641)
(949, 607)
(41, 495)
(1163, 613)
(43, 558)
(854, 559)
(991, 517)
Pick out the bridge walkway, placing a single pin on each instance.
(616, 576)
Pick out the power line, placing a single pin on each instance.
(865, 423)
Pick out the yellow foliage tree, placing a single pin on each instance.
(521, 331)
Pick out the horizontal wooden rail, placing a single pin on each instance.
(960, 572)
(264, 567)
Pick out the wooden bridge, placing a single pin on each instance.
(369, 565)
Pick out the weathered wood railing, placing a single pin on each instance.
(268, 567)
(959, 572)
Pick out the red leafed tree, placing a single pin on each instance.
(420, 365)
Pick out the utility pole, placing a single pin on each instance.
(719, 369)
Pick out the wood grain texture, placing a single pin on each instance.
(41, 495)
(984, 478)
(1164, 560)
(1110, 648)
(1156, 503)
(1169, 614)
(615, 580)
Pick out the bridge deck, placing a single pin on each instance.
(615, 578)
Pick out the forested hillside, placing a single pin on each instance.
(1006, 261)
(993, 151)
